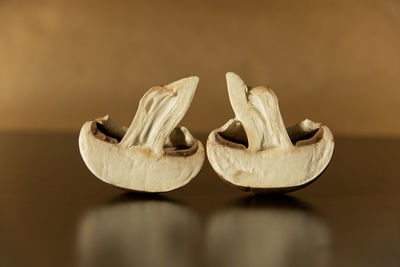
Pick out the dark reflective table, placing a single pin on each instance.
(54, 212)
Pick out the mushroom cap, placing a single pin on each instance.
(277, 169)
(136, 168)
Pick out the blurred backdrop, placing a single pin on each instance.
(63, 62)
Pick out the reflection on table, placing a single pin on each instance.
(139, 231)
(267, 231)
(252, 231)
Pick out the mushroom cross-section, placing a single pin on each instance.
(255, 152)
(153, 154)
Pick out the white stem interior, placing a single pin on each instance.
(258, 110)
(159, 112)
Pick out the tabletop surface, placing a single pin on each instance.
(54, 212)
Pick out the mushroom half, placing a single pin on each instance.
(152, 155)
(255, 152)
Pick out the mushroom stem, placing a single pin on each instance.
(159, 112)
(258, 110)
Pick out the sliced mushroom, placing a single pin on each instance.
(152, 155)
(255, 152)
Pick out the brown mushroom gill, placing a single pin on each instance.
(107, 131)
(235, 136)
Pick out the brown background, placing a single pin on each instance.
(64, 62)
